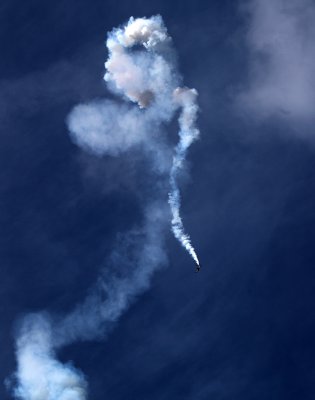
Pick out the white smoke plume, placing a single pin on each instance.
(148, 78)
(143, 77)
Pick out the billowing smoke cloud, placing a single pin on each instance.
(148, 78)
(280, 39)
(143, 77)
(40, 376)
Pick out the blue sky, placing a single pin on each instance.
(244, 327)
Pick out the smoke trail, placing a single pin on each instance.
(128, 77)
(187, 133)
(139, 253)
(149, 79)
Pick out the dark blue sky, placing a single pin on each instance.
(242, 329)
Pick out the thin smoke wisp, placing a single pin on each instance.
(187, 134)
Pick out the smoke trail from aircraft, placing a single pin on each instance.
(39, 374)
(127, 76)
(148, 78)
(187, 133)
(138, 255)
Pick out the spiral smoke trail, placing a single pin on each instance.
(149, 79)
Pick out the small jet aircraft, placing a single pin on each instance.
(198, 266)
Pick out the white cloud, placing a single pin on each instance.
(280, 39)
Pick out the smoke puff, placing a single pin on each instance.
(96, 128)
(40, 375)
(134, 74)
(148, 32)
